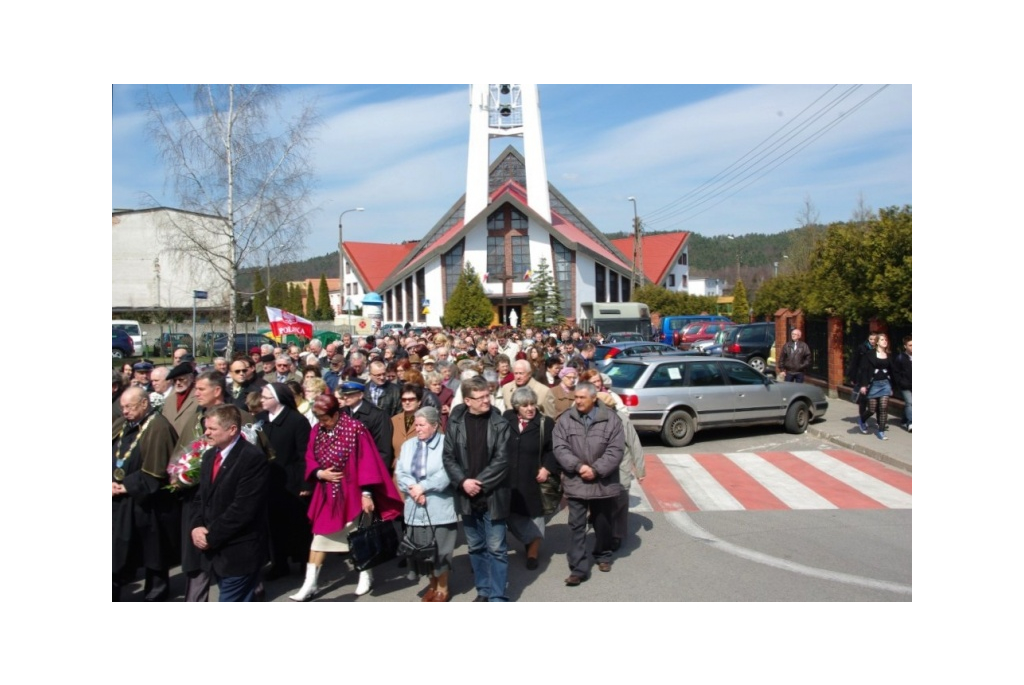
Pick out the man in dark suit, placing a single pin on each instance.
(229, 524)
(352, 396)
(381, 392)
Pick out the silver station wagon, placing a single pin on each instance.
(679, 396)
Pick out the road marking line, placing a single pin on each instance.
(744, 486)
(877, 483)
(662, 489)
(790, 491)
(683, 522)
(834, 491)
(701, 488)
(900, 481)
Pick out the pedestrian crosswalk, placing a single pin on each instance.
(757, 481)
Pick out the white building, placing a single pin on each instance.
(148, 273)
(509, 219)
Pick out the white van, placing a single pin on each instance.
(133, 329)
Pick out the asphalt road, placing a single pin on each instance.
(844, 553)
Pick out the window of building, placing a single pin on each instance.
(627, 286)
(421, 288)
(563, 272)
(686, 280)
(601, 289)
(682, 259)
(508, 244)
(520, 256)
(613, 286)
(451, 265)
(410, 300)
(495, 256)
(671, 281)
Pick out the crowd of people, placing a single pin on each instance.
(244, 468)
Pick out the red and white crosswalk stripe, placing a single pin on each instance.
(736, 481)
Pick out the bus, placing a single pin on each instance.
(616, 317)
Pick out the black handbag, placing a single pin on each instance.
(373, 544)
(426, 553)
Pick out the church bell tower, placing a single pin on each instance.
(501, 110)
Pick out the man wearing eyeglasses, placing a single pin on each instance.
(476, 460)
(243, 381)
(284, 371)
(381, 392)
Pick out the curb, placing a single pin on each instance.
(859, 447)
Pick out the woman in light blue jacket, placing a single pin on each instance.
(429, 507)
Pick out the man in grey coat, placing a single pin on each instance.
(589, 441)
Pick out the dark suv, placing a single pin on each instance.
(243, 343)
(751, 343)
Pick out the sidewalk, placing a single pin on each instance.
(840, 427)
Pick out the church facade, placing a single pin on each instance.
(509, 220)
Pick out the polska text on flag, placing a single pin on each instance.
(285, 323)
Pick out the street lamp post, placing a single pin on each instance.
(341, 255)
(732, 237)
(785, 256)
(638, 255)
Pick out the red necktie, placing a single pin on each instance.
(522, 425)
(218, 460)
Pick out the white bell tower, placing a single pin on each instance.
(499, 110)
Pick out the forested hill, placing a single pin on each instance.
(709, 257)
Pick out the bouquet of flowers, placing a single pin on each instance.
(184, 473)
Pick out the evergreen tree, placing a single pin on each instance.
(323, 302)
(740, 305)
(259, 299)
(278, 295)
(545, 299)
(469, 305)
(311, 308)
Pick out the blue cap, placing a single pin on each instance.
(142, 366)
(351, 386)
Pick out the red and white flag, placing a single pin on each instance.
(285, 323)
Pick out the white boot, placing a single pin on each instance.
(365, 583)
(309, 587)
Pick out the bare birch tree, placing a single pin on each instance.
(233, 154)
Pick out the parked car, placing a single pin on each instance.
(711, 347)
(243, 343)
(623, 336)
(604, 354)
(172, 341)
(672, 326)
(132, 328)
(701, 330)
(751, 343)
(121, 344)
(206, 341)
(679, 396)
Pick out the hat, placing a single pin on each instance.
(182, 369)
(567, 370)
(142, 366)
(429, 360)
(268, 358)
(187, 357)
(254, 350)
(349, 387)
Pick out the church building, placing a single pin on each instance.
(507, 222)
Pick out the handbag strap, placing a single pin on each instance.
(433, 533)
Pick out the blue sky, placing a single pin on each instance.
(400, 152)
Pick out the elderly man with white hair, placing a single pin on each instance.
(522, 376)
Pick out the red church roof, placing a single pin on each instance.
(660, 252)
(374, 261)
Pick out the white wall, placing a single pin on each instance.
(139, 237)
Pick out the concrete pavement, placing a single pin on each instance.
(840, 427)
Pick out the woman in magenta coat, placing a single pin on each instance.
(350, 478)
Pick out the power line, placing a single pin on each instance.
(761, 165)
